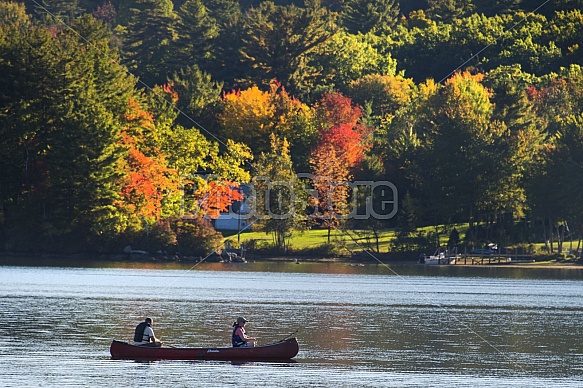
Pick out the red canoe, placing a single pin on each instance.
(283, 350)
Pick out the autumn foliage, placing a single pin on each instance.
(217, 197)
(147, 177)
(335, 109)
(146, 182)
(252, 115)
(341, 147)
(340, 131)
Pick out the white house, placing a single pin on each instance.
(238, 216)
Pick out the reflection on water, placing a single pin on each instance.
(389, 268)
(357, 326)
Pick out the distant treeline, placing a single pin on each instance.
(119, 118)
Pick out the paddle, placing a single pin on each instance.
(162, 343)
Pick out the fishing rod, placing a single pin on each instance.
(289, 335)
(284, 338)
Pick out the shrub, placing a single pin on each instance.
(412, 243)
(161, 236)
(197, 237)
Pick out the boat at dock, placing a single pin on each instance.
(441, 257)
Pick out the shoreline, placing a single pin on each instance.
(553, 265)
(359, 260)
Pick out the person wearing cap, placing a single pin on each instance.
(144, 334)
(240, 338)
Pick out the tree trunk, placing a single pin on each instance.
(545, 235)
(560, 237)
(376, 236)
(551, 241)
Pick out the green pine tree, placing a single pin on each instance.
(364, 16)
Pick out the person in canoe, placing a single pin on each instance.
(144, 334)
(240, 338)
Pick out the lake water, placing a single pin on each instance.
(371, 326)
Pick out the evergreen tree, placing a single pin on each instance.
(377, 16)
(223, 11)
(65, 11)
(63, 134)
(449, 10)
(226, 65)
(149, 39)
(497, 7)
(197, 31)
(279, 43)
(197, 93)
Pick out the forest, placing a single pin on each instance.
(139, 122)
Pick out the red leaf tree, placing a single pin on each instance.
(341, 147)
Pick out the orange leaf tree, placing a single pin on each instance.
(251, 116)
(217, 197)
(147, 178)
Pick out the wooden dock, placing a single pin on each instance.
(479, 257)
(472, 259)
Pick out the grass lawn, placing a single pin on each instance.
(354, 240)
(358, 240)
